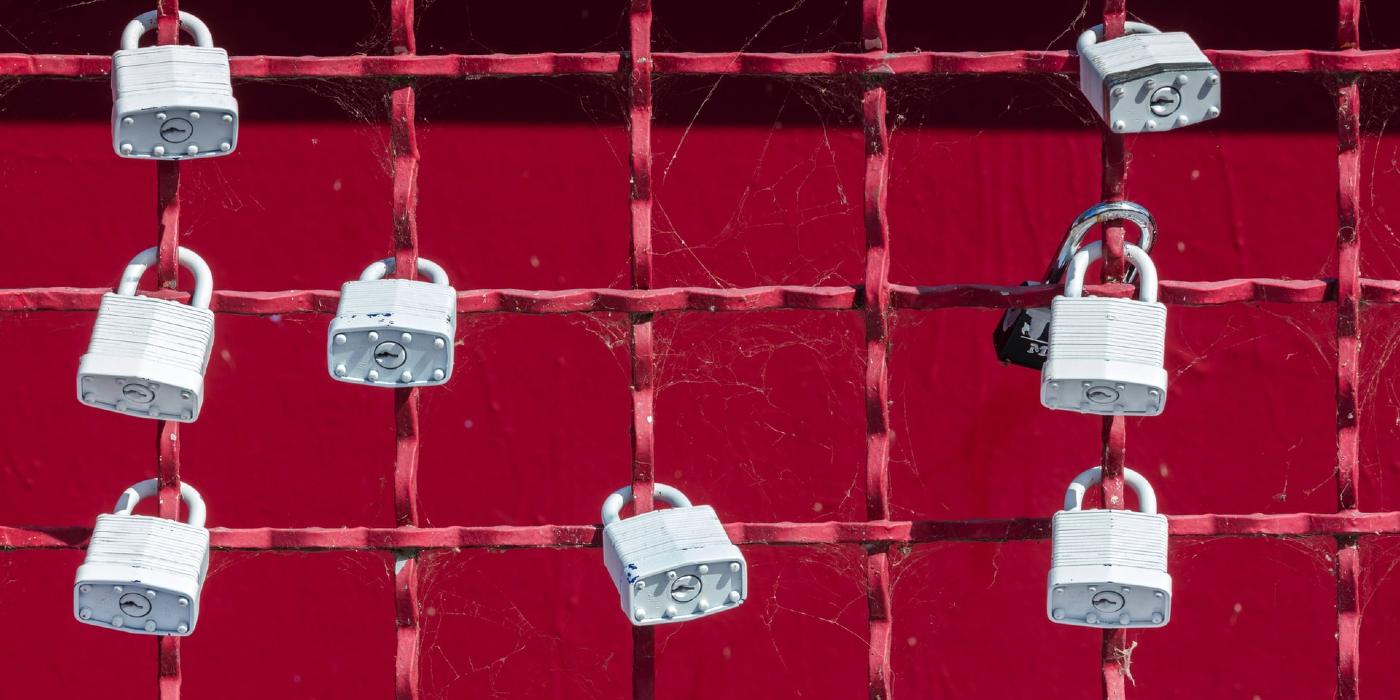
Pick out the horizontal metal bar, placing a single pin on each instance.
(825, 533)
(829, 298)
(912, 63)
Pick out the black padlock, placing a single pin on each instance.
(1023, 336)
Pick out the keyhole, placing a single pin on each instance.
(1165, 101)
(390, 355)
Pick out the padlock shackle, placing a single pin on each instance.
(137, 28)
(1147, 498)
(1147, 286)
(190, 260)
(612, 505)
(1093, 216)
(1094, 34)
(194, 503)
(380, 268)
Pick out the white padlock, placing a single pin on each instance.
(1147, 80)
(172, 102)
(144, 574)
(147, 356)
(671, 565)
(1106, 354)
(1108, 568)
(394, 332)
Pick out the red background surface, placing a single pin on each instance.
(524, 183)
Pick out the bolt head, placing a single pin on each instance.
(703, 604)
(406, 337)
(340, 338)
(1058, 614)
(373, 336)
(160, 116)
(228, 118)
(184, 602)
(734, 566)
(1183, 120)
(439, 343)
(340, 370)
(1124, 619)
(1156, 618)
(733, 596)
(438, 375)
(182, 628)
(127, 149)
(1183, 79)
(407, 376)
(194, 115)
(158, 150)
(150, 625)
(1092, 619)
(192, 150)
(85, 614)
(1151, 124)
(704, 568)
(373, 375)
(1119, 91)
(1120, 125)
(84, 589)
(226, 147)
(640, 614)
(670, 575)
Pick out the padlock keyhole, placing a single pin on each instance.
(1165, 101)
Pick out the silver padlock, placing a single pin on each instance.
(1108, 568)
(144, 574)
(147, 356)
(1023, 336)
(671, 565)
(1106, 354)
(394, 332)
(1147, 80)
(172, 102)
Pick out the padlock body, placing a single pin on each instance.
(1023, 337)
(1109, 569)
(393, 333)
(147, 358)
(1105, 357)
(179, 101)
(142, 575)
(674, 565)
(1150, 69)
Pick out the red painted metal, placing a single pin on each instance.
(876, 298)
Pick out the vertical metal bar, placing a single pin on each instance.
(877, 328)
(640, 345)
(167, 277)
(639, 116)
(1348, 104)
(1113, 654)
(403, 156)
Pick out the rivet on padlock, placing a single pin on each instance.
(1023, 336)
(394, 332)
(172, 102)
(143, 574)
(1106, 354)
(1108, 568)
(671, 565)
(147, 356)
(1147, 80)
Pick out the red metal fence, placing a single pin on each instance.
(876, 299)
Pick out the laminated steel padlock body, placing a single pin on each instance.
(1147, 80)
(672, 565)
(1106, 354)
(1109, 567)
(172, 102)
(394, 332)
(1023, 336)
(144, 574)
(147, 356)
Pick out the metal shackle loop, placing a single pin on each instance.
(194, 503)
(1147, 498)
(190, 260)
(426, 267)
(1147, 287)
(612, 505)
(194, 26)
(1093, 34)
(1100, 213)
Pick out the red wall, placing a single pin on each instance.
(524, 183)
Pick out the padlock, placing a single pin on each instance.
(143, 574)
(671, 565)
(1147, 80)
(147, 356)
(172, 102)
(1108, 568)
(394, 332)
(1106, 354)
(1023, 336)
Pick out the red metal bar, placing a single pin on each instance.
(841, 534)
(167, 277)
(1348, 101)
(403, 159)
(639, 117)
(700, 299)
(731, 63)
(876, 294)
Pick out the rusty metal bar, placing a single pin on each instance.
(639, 118)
